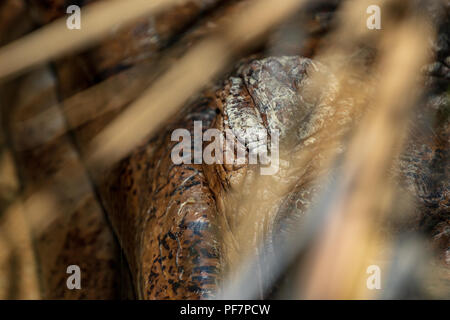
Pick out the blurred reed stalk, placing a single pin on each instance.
(343, 237)
(347, 245)
(55, 39)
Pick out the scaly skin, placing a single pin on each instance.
(174, 222)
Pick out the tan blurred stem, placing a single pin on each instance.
(55, 39)
(20, 280)
(339, 260)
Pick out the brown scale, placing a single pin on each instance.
(165, 216)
